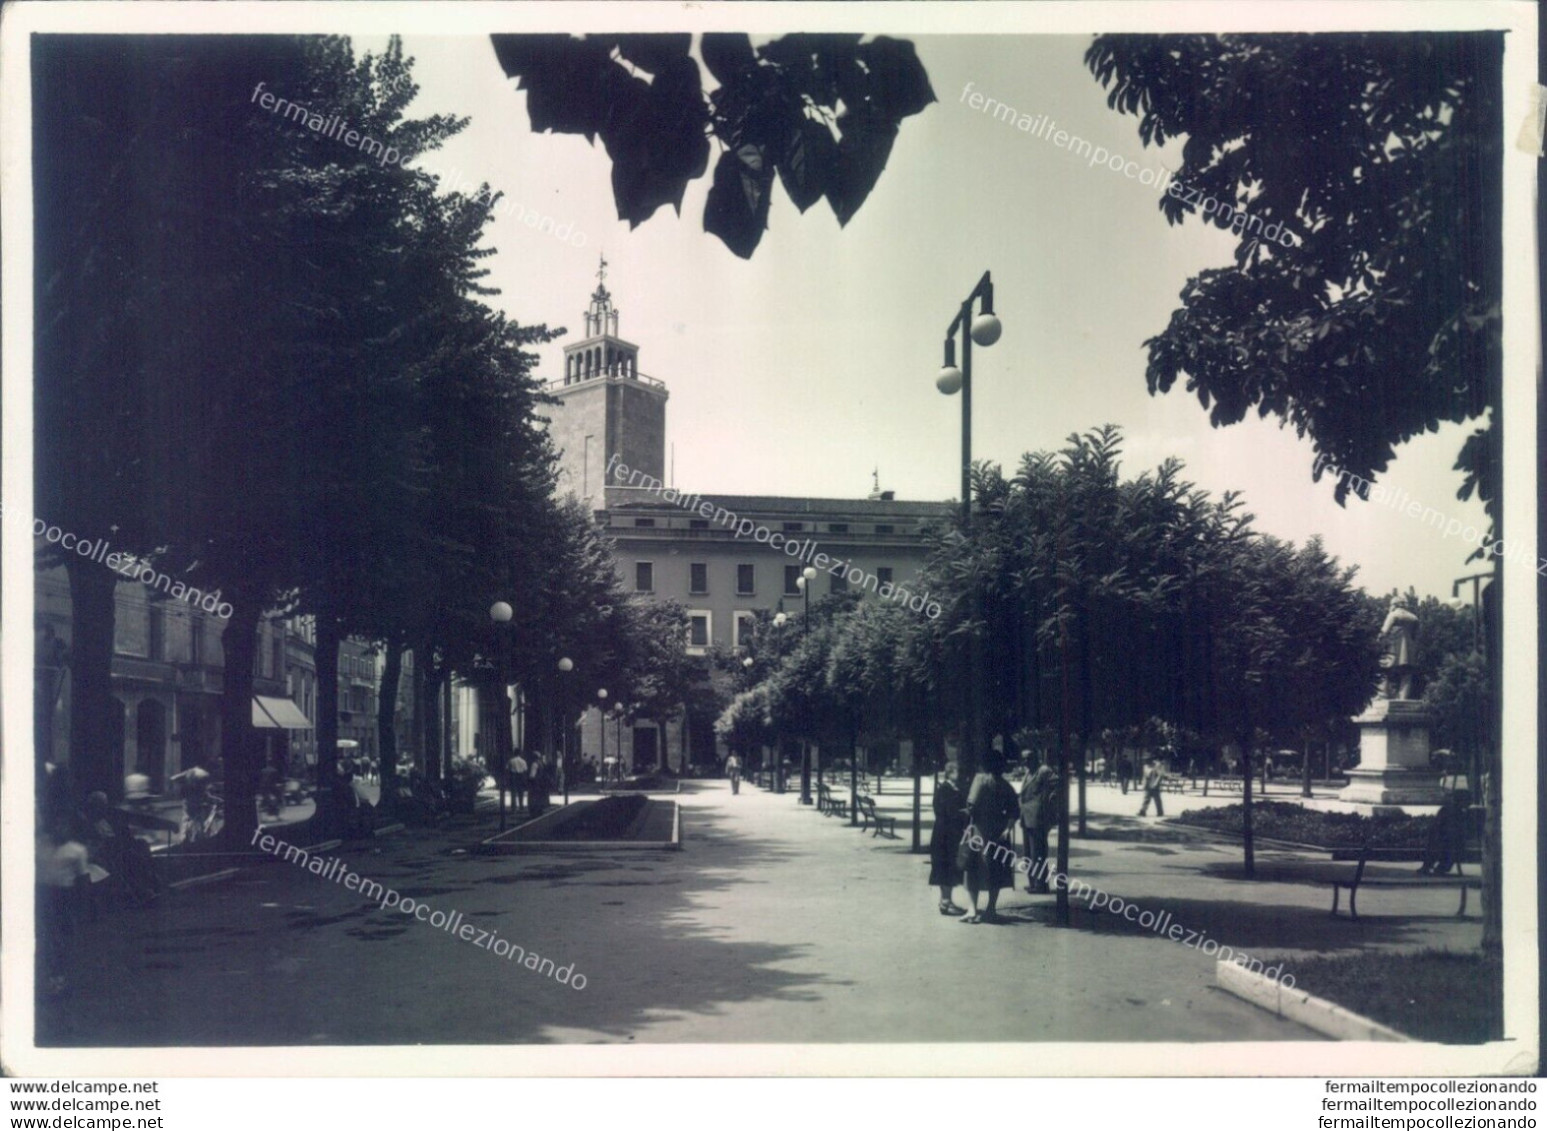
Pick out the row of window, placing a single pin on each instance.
(788, 527)
(746, 579)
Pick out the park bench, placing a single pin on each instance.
(1172, 785)
(867, 811)
(1367, 855)
(828, 804)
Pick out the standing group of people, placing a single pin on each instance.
(974, 835)
(532, 782)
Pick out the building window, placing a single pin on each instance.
(791, 575)
(746, 575)
(644, 577)
(837, 527)
(884, 574)
(158, 632)
(885, 528)
(698, 577)
(839, 584)
(698, 631)
(644, 522)
(698, 524)
(792, 526)
(746, 624)
(196, 639)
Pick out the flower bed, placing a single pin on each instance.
(1283, 820)
(1433, 995)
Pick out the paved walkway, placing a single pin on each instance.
(773, 924)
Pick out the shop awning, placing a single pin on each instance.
(278, 714)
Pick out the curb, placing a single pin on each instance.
(1325, 1017)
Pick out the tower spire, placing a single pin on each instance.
(602, 317)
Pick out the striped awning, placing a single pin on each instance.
(278, 714)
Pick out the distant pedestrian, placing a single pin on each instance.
(1152, 779)
(733, 771)
(538, 788)
(950, 809)
(986, 850)
(1039, 813)
(520, 776)
(1124, 771)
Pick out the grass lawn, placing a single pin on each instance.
(1456, 997)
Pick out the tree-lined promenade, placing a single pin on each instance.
(282, 378)
(279, 377)
(1100, 605)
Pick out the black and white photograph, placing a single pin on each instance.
(771, 539)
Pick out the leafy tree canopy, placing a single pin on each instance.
(821, 111)
(1379, 156)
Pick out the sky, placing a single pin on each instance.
(805, 368)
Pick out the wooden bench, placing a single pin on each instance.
(828, 804)
(867, 811)
(1367, 855)
(1172, 785)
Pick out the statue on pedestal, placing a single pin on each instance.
(1394, 731)
(1399, 653)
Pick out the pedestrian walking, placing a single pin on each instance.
(1124, 771)
(733, 771)
(1152, 779)
(950, 810)
(1040, 807)
(520, 775)
(991, 813)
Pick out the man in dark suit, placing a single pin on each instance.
(1039, 813)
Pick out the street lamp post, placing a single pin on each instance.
(803, 583)
(781, 618)
(984, 329)
(601, 725)
(565, 665)
(500, 613)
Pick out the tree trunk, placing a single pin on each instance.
(417, 723)
(918, 794)
(1246, 803)
(240, 749)
(1080, 773)
(386, 729)
(1493, 844)
(93, 755)
(433, 764)
(329, 819)
(1305, 784)
(854, 779)
(1061, 884)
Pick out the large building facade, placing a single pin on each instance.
(724, 557)
(168, 673)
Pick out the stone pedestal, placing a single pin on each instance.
(1393, 757)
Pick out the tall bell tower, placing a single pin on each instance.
(606, 406)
